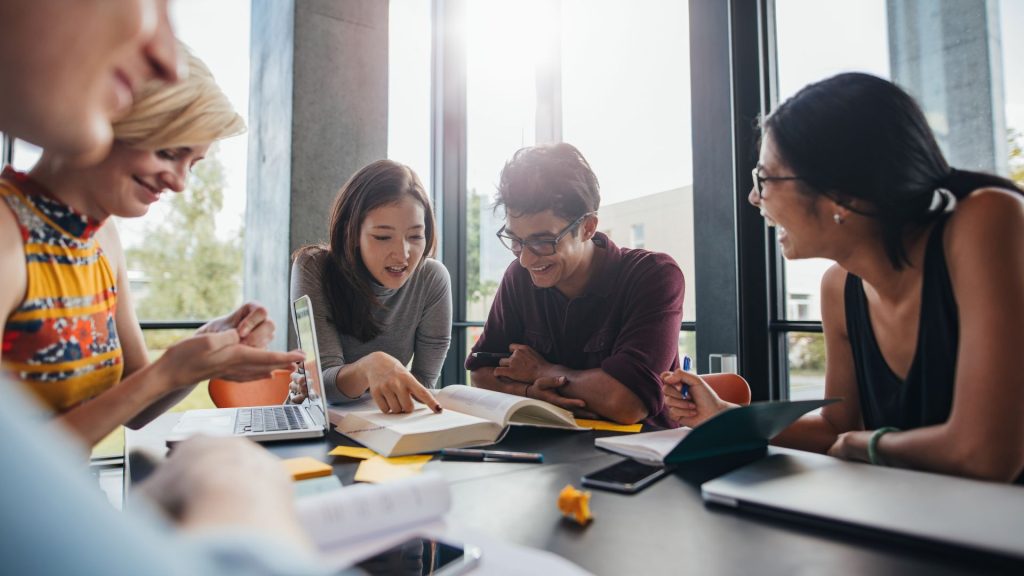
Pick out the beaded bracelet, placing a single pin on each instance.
(873, 444)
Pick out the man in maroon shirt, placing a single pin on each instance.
(590, 326)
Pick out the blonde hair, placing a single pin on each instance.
(192, 112)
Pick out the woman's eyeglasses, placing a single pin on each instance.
(760, 180)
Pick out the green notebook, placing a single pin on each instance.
(737, 430)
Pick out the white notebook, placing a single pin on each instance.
(650, 447)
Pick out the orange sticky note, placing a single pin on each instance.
(306, 467)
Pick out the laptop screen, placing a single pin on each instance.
(303, 316)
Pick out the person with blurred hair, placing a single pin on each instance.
(61, 101)
(922, 307)
(379, 298)
(585, 325)
(70, 68)
(71, 333)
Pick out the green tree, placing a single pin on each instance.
(192, 273)
(1016, 161)
(473, 243)
(476, 290)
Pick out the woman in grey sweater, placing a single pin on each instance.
(379, 299)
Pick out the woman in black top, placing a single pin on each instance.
(922, 310)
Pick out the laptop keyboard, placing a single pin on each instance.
(270, 419)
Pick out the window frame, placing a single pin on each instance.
(449, 160)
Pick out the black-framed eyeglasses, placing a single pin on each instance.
(540, 247)
(760, 180)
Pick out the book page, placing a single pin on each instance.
(419, 431)
(486, 404)
(366, 510)
(421, 419)
(652, 446)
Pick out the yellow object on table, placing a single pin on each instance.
(606, 425)
(352, 452)
(575, 504)
(306, 467)
(381, 469)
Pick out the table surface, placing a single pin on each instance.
(666, 528)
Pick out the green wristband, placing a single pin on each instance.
(873, 444)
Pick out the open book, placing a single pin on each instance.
(737, 430)
(353, 523)
(363, 511)
(471, 417)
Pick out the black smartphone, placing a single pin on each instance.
(491, 355)
(628, 476)
(492, 358)
(420, 556)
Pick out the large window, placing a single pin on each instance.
(501, 117)
(958, 59)
(627, 107)
(185, 256)
(541, 71)
(409, 97)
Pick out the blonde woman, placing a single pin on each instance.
(70, 333)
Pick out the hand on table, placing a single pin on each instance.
(851, 446)
(525, 364)
(546, 389)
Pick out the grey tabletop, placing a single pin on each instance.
(665, 529)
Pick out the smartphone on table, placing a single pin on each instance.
(418, 557)
(628, 476)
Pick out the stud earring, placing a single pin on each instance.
(837, 218)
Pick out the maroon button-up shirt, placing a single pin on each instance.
(626, 322)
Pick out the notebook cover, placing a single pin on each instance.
(741, 429)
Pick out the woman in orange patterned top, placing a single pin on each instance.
(71, 334)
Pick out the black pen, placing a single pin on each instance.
(490, 455)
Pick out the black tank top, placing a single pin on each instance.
(925, 398)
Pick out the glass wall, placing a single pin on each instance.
(626, 106)
(185, 256)
(501, 117)
(958, 59)
(409, 99)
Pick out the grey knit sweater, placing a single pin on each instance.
(416, 321)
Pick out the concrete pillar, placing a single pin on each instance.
(948, 55)
(318, 112)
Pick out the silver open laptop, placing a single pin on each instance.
(983, 516)
(265, 423)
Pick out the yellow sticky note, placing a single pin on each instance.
(606, 425)
(380, 469)
(352, 452)
(306, 467)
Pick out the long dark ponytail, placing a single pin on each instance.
(856, 136)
